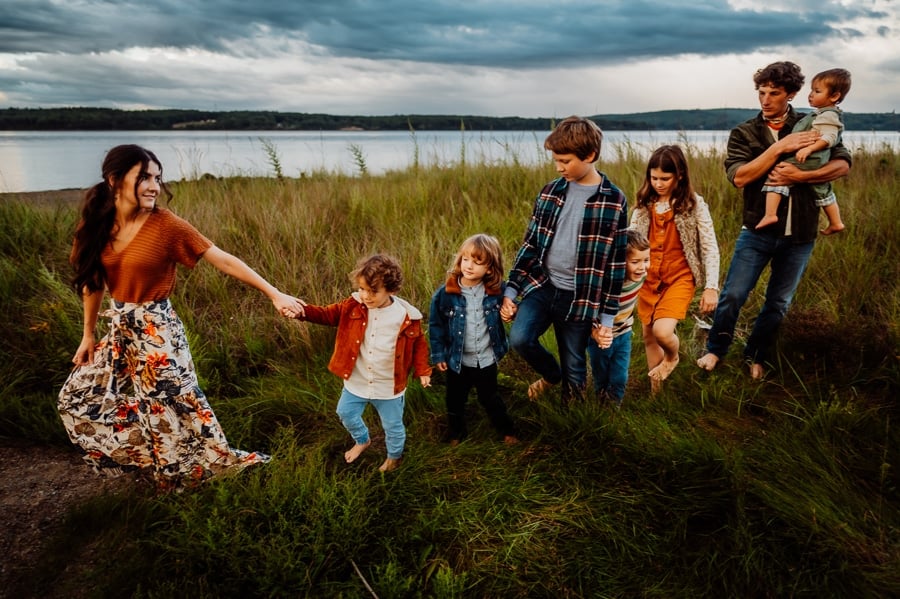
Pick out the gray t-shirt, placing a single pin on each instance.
(562, 256)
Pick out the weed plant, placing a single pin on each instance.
(716, 487)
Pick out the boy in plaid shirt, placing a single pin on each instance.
(568, 273)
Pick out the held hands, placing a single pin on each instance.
(442, 366)
(709, 300)
(288, 306)
(508, 310)
(602, 335)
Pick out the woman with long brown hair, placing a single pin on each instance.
(132, 402)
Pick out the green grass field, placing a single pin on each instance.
(717, 487)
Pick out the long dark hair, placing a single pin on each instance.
(98, 215)
(668, 159)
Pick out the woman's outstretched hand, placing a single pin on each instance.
(288, 305)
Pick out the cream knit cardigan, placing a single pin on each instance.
(697, 235)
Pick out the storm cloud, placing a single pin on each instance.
(394, 56)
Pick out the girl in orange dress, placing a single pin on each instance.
(683, 255)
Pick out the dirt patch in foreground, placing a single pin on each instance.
(39, 484)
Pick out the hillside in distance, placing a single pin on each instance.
(111, 119)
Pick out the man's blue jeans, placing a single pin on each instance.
(752, 252)
(540, 309)
(609, 366)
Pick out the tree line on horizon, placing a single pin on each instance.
(112, 119)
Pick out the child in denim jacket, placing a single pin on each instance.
(467, 336)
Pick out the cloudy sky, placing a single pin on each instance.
(378, 57)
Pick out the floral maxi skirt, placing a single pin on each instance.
(138, 405)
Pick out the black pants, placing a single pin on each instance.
(485, 382)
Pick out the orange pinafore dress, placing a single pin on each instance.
(669, 288)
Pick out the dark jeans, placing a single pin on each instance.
(752, 252)
(485, 382)
(542, 308)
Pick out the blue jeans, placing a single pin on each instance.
(610, 366)
(752, 252)
(350, 410)
(539, 310)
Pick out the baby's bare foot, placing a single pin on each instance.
(355, 451)
(390, 464)
(511, 440)
(832, 229)
(708, 361)
(766, 221)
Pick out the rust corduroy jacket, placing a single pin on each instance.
(351, 316)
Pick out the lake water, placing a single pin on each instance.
(48, 160)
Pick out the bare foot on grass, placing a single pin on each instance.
(832, 229)
(354, 452)
(765, 221)
(510, 440)
(390, 464)
(664, 369)
(661, 372)
(757, 372)
(538, 388)
(708, 361)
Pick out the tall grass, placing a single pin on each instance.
(715, 487)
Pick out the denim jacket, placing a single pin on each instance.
(447, 324)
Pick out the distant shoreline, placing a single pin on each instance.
(111, 119)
